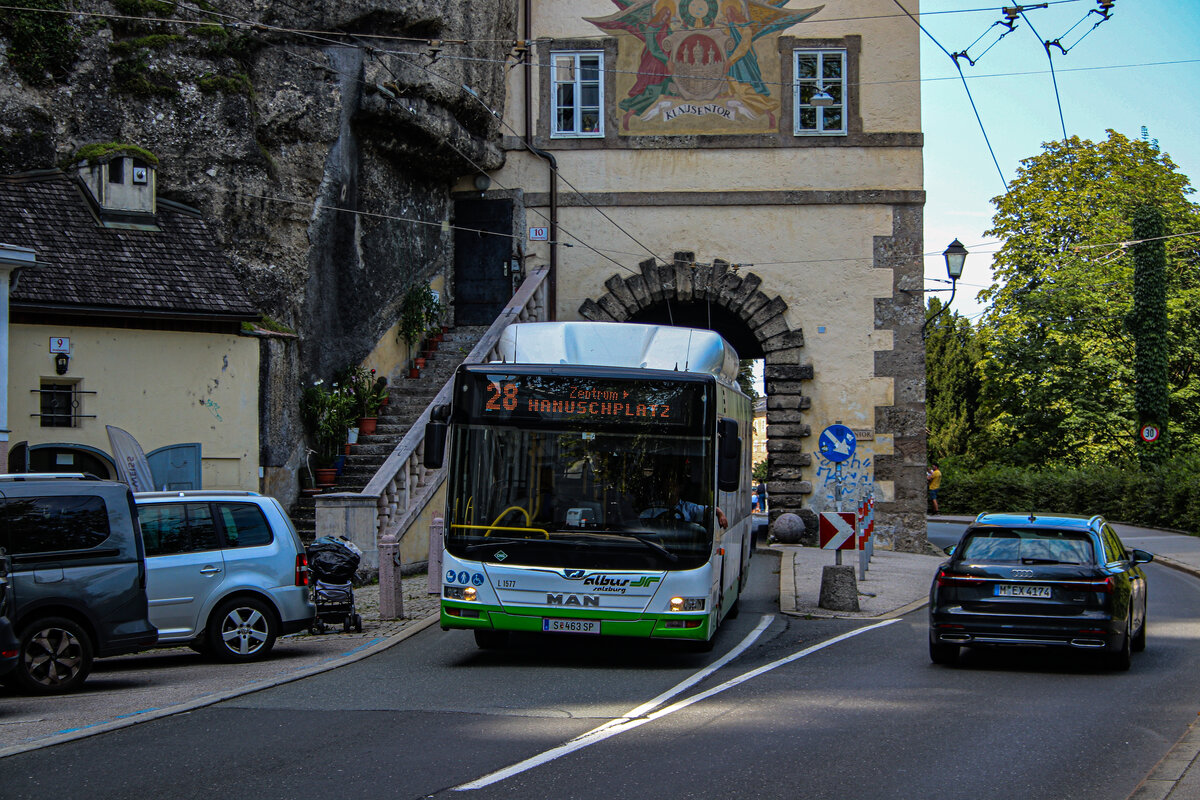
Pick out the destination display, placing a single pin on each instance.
(555, 398)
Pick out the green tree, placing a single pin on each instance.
(1057, 357)
(745, 378)
(951, 384)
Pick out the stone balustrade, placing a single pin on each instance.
(403, 492)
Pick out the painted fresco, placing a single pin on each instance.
(689, 67)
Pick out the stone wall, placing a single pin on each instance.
(325, 159)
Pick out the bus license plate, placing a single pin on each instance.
(1021, 590)
(571, 625)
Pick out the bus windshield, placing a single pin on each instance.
(562, 497)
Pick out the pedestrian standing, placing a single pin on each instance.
(760, 492)
(934, 478)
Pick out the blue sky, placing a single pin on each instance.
(1113, 78)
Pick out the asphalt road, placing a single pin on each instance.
(867, 716)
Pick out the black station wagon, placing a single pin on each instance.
(1043, 581)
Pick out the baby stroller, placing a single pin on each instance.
(332, 562)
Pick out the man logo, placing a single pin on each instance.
(572, 600)
(574, 574)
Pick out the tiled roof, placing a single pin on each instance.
(177, 271)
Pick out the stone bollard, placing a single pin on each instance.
(788, 529)
(391, 590)
(839, 588)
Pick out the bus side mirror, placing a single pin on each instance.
(435, 436)
(729, 455)
(435, 443)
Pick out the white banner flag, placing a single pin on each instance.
(132, 467)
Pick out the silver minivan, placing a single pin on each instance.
(226, 571)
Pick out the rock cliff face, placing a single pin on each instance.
(328, 192)
(267, 117)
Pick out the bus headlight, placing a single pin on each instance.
(687, 603)
(466, 593)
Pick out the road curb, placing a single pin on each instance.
(787, 598)
(1160, 783)
(1177, 565)
(349, 657)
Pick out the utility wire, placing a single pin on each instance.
(1053, 77)
(966, 88)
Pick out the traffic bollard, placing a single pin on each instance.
(391, 590)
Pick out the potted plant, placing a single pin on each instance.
(413, 315)
(381, 390)
(433, 318)
(367, 400)
(328, 411)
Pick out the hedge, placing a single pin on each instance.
(1166, 496)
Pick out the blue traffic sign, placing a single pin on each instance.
(837, 443)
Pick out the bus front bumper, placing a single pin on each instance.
(469, 616)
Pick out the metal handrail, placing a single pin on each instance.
(402, 486)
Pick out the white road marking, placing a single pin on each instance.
(636, 720)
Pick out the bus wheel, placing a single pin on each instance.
(735, 609)
(490, 640)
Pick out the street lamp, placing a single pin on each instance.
(956, 258)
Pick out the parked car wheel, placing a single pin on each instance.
(55, 656)
(242, 629)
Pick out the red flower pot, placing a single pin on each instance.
(366, 426)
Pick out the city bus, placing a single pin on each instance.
(597, 484)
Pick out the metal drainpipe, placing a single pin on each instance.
(552, 278)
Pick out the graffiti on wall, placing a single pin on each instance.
(699, 66)
(858, 479)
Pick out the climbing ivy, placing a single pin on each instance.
(1147, 321)
(131, 67)
(42, 46)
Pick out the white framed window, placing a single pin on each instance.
(577, 94)
(820, 71)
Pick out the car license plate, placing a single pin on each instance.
(1022, 590)
(571, 625)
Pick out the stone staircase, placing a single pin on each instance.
(407, 398)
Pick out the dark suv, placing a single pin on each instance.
(1044, 580)
(8, 639)
(77, 586)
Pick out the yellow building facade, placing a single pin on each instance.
(126, 314)
(163, 387)
(750, 166)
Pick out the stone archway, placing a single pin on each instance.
(734, 295)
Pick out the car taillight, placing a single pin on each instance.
(302, 569)
(1104, 586)
(945, 579)
(8, 653)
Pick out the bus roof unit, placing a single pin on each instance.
(619, 344)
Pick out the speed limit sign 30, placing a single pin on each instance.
(1149, 433)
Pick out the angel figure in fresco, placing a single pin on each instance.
(650, 21)
(700, 50)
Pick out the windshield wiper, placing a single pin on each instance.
(496, 541)
(653, 545)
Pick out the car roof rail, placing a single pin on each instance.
(197, 493)
(43, 476)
